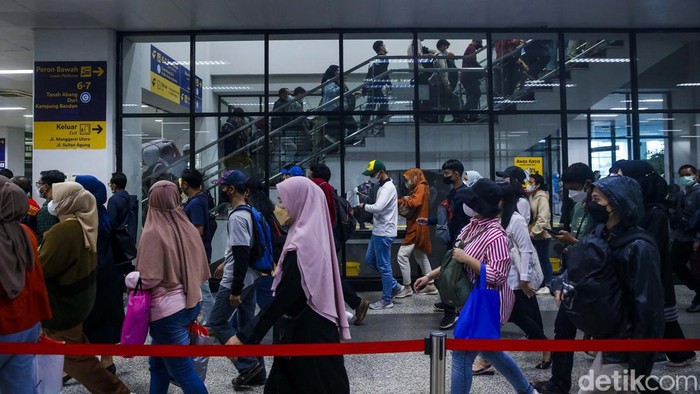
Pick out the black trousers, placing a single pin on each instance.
(471, 82)
(526, 315)
(680, 254)
(563, 362)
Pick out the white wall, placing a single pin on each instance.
(80, 45)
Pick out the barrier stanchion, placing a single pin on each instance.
(435, 347)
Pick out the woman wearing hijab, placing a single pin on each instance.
(417, 240)
(23, 298)
(331, 94)
(308, 289)
(470, 177)
(104, 323)
(68, 256)
(173, 267)
(656, 222)
(484, 241)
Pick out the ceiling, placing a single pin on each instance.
(18, 19)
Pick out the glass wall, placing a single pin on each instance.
(541, 99)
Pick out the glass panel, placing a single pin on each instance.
(401, 157)
(684, 139)
(526, 136)
(156, 74)
(670, 63)
(379, 78)
(525, 72)
(441, 89)
(230, 65)
(596, 66)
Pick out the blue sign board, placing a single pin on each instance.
(171, 80)
(2, 153)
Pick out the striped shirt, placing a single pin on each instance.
(491, 248)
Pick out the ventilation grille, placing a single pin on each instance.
(14, 93)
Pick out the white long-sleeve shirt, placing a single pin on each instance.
(385, 210)
(518, 233)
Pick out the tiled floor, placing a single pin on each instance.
(411, 318)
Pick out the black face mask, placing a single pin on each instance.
(447, 180)
(598, 212)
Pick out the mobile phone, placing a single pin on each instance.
(549, 230)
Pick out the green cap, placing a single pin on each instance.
(374, 167)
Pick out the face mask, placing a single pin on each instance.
(409, 185)
(374, 180)
(468, 211)
(687, 180)
(51, 207)
(530, 188)
(598, 212)
(447, 180)
(577, 195)
(42, 191)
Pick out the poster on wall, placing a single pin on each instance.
(3, 153)
(531, 165)
(171, 80)
(70, 105)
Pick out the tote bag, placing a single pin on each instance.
(138, 316)
(534, 269)
(481, 316)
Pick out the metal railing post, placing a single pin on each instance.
(435, 347)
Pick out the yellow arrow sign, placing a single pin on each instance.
(100, 71)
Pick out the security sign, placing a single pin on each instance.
(532, 165)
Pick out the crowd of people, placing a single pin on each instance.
(65, 267)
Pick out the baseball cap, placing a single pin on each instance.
(294, 171)
(235, 178)
(513, 172)
(374, 167)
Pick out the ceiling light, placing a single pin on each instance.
(604, 115)
(12, 108)
(660, 119)
(198, 63)
(688, 84)
(9, 72)
(507, 101)
(135, 135)
(28, 116)
(170, 123)
(158, 120)
(670, 131)
(689, 136)
(645, 101)
(600, 60)
(227, 88)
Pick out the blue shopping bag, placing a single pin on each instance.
(481, 316)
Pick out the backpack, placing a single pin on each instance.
(261, 253)
(593, 296)
(213, 225)
(345, 223)
(124, 236)
(444, 217)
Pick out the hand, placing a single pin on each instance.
(234, 341)
(557, 297)
(565, 237)
(460, 255)
(525, 287)
(421, 283)
(361, 206)
(219, 273)
(234, 300)
(422, 221)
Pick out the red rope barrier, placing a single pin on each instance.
(328, 349)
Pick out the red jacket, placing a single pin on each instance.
(330, 196)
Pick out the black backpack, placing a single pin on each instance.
(594, 296)
(345, 223)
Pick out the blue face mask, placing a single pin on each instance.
(687, 180)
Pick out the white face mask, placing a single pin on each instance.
(51, 207)
(468, 211)
(577, 195)
(530, 188)
(374, 180)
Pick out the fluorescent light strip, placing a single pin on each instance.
(689, 136)
(12, 108)
(688, 84)
(227, 88)
(12, 72)
(627, 109)
(600, 60)
(28, 116)
(514, 101)
(660, 119)
(604, 115)
(198, 62)
(670, 131)
(645, 101)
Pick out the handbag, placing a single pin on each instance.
(534, 269)
(49, 370)
(199, 335)
(407, 212)
(138, 316)
(481, 316)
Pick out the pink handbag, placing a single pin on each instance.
(138, 316)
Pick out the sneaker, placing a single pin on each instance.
(448, 321)
(253, 376)
(543, 291)
(487, 369)
(429, 290)
(381, 304)
(396, 290)
(439, 306)
(349, 315)
(407, 291)
(361, 312)
(547, 387)
(694, 306)
(683, 363)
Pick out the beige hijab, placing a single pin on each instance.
(73, 202)
(171, 248)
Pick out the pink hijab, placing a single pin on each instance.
(311, 236)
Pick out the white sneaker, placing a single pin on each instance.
(407, 291)
(349, 315)
(429, 290)
(381, 304)
(543, 291)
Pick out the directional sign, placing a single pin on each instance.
(171, 80)
(70, 105)
(2, 153)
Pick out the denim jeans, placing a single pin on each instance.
(220, 317)
(462, 371)
(172, 330)
(542, 247)
(379, 258)
(17, 373)
(207, 303)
